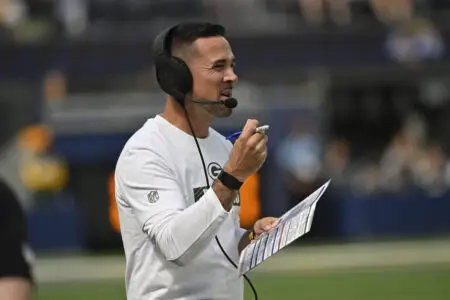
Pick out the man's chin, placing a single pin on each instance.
(219, 110)
(225, 112)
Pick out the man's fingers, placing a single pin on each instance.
(272, 223)
(261, 148)
(257, 140)
(269, 223)
(249, 129)
(273, 220)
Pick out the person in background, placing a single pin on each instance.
(16, 257)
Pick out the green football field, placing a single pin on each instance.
(392, 270)
(408, 283)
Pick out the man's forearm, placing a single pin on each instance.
(224, 194)
(226, 198)
(182, 235)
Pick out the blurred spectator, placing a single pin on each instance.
(299, 152)
(408, 146)
(336, 161)
(409, 161)
(12, 15)
(428, 171)
(299, 156)
(365, 178)
(415, 41)
(12, 12)
(314, 11)
(41, 171)
(73, 15)
(54, 86)
(393, 12)
(397, 163)
(27, 20)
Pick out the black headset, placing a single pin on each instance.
(175, 78)
(172, 73)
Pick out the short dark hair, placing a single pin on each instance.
(187, 33)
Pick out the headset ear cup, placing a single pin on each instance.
(185, 81)
(174, 77)
(172, 73)
(165, 75)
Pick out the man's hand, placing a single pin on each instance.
(264, 225)
(261, 226)
(247, 156)
(249, 152)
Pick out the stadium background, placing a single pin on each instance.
(355, 91)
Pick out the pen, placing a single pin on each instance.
(261, 129)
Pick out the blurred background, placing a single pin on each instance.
(356, 91)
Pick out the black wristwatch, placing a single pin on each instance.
(229, 181)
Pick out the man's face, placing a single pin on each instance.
(212, 68)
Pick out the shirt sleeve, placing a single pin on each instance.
(149, 187)
(240, 233)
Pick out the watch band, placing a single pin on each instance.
(229, 181)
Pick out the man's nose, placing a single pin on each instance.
(231, 76)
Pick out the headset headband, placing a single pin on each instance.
(161, 44)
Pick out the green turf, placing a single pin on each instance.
(383, 284)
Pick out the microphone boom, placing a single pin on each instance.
(230, 102)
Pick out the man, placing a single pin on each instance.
(168, 216)
(15, 255)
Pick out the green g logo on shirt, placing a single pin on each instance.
(214, 170)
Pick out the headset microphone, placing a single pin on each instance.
(230, 102)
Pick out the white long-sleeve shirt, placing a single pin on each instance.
(169, 219)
